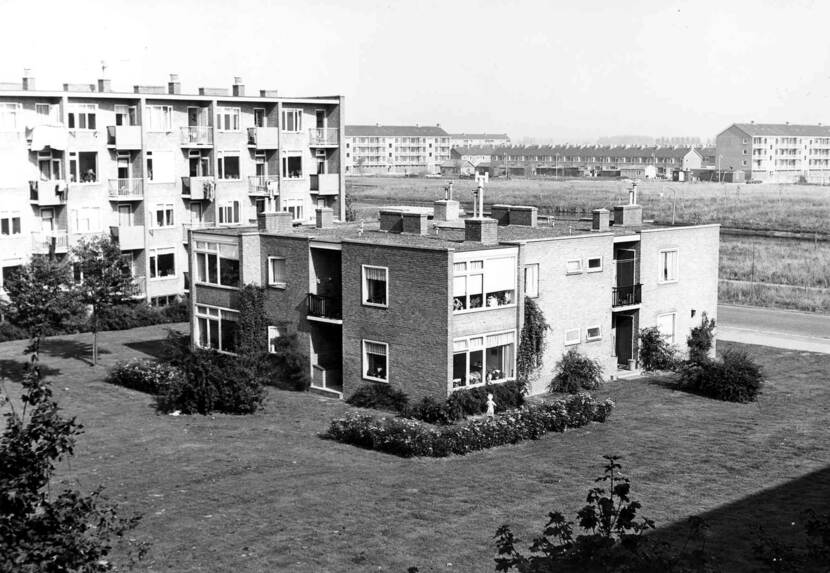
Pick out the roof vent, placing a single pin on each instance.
(174, 86)
(28, 80)
(238, 87)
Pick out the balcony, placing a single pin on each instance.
(325, 183)
(262, 185)
(324, 307)
(626, 295)
(324, 137)
(199, 188)
(43, 241)
(129, 238)
(138, 288)
(124, 136)
(126, 189)
(263, 137)
(196, 136)
(46, 193)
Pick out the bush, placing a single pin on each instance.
(431, 411)
(211, 382)
(655, 352)
(466, 402)
(286, 368)
(379, 396)
(9, 331)
(576, 371)
(734, 378)
(700, 340)
(145, 376)
(409, 438)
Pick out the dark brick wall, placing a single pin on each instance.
(287, 306)
(414, 325)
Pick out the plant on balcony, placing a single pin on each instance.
(655, 351)
(106, 279)
(574, 372)
(531, 341)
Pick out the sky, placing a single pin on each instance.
(565, 71)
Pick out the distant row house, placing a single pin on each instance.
(478, 139)
(395, 149)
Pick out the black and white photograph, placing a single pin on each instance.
(415, 286)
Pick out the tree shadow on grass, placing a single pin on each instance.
(70, 349)
(13, 370)
(155, 348)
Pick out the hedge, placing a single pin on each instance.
(412, 438)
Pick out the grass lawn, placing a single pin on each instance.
(265, 493)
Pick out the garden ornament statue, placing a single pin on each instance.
(491, 406)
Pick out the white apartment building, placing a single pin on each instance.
(395, 149)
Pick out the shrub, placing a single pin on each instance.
(576, 371)
(655, 352)
(211, 382)
(380, 397)
(473, 401)
(408, 438)
(287, 367)
(9, 331)
(431, 411)
(734, 378)
(531, 341)
(700, 340)
(145, 376)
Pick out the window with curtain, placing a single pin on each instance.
(375, 361)
(375, 291)
(484, 283)
(668, 266)
(479, 360)
(217, 263)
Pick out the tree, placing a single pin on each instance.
(700, 340)
(40, 296)
(105, 279)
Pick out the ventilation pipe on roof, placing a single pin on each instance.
(238, 87)
(28, 80)
(174, 86)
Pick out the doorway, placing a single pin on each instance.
(622, 325)
(320, 116)
(259, 117)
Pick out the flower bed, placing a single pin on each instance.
(411, 438)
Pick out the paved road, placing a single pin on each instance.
(779, 328)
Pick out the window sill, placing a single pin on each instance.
(483, 308)
(597, 339)
(569, 273)
(214, 285)
(373, 379)
(667, 282)
(594, 270)
(480, 384)
(164, 278)
(571, 343)
(375, 305)
(281, 286)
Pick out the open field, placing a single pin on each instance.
(789, 207)
(265, 493)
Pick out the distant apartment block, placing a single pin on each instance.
(149, 165)
(478, 139)
(430, 303)
(395, 149)
(774, 152)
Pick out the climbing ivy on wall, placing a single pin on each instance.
(253, 327)
(532, 341)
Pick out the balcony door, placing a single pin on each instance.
(47, 220)
(320, 116)
(193, 117)
(259, 117)
(623, 327)
(124, 170)
(125, 216)
(625, 267)
(195, 213)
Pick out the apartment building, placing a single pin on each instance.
(431, 303)
(149, 165)
(652, 161)
(478, 139)
(395, 149)
(775, 152)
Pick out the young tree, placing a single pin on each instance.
(105, 281)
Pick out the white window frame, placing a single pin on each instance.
(274, 332)
(231, 113)
(669, 338)
(226, 216)
(166, 209)
(212, 249)
(10, 216)
(364, 362)
(272, 282)
(573, 336)
(156, 112)
(568, 264)
(666, 275)
(485, 270)
(297, 116)
(10, 114)
(153, 255)
(589, 338)
(531, 280)
(365, 290)
(466, 340)
(76, 110)
(214, 313)
(221, 167)
(588, 265)
(284, 173)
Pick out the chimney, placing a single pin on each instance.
(275, 222)
(415, 223)
(238, 87)
(446, 210)
(325, 217)
(600, 220)
(482, 230)
(524, 215)
(391, 220)
(174, 86)
(104, 85)
(28, 80)
(628, 215)
(501, 213)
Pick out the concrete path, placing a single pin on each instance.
(779, 328)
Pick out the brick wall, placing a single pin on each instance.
(730, 145)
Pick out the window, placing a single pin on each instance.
(375, 286)
(479, 360)
(571, 336)
(10, 117)
(9, 224)
(216, 328)
(227, 118)
(259, 117)
(292, 120)
(276, 272)
(86, 219)
(593, 333)
(228, 165)
(274, 332)
(666, 324)
(229, 213)
(83, 167)
(594, 264)
(159, 118)
(292, 167)
(668, 266)
(295, 207)
(164, 215)
(125, 115)
(375, 361)
(82, 116)
(573, 266)
(531, 280)
(484, 283)
(149, 165)
(162, 263)
(217, 263)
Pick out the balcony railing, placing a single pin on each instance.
(126, 188)
(626, 295)
(42, 241)
(124, 136)
(137, 288)
(324, 306)
(325, 183)
(196, 136)
(262, 185)
(324, 136)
